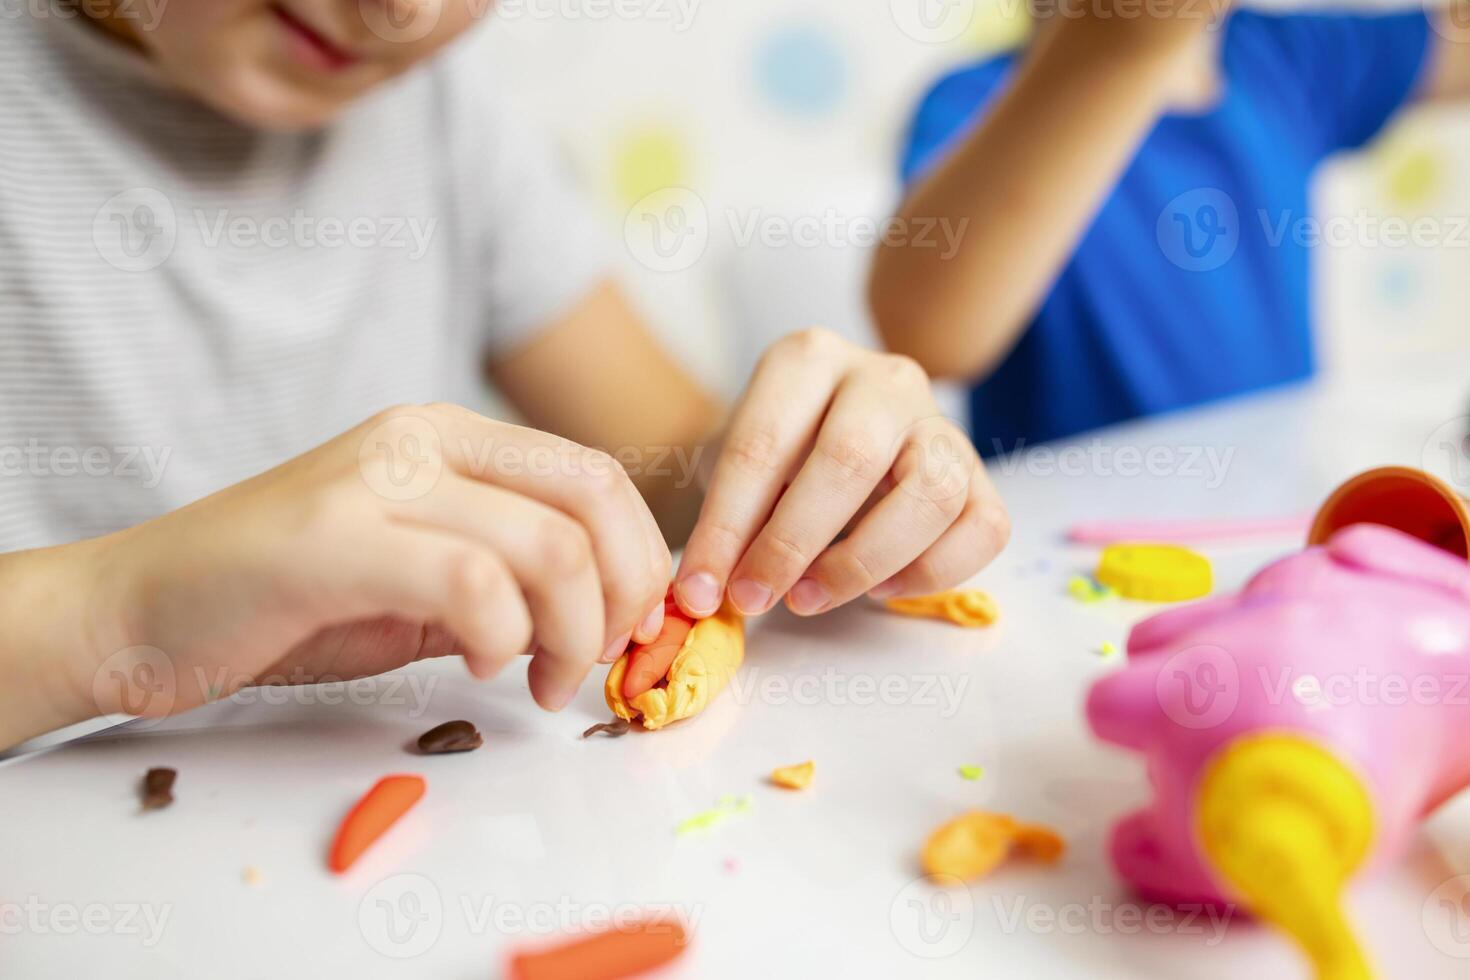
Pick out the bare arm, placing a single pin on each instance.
(600, 378)
(1025, 185)
(1447, 75)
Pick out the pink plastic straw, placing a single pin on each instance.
(1109, 532)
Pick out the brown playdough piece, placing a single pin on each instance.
(158, 788)
(612, 729)
(452, 736)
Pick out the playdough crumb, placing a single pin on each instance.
(251, 876)
(1085, 590)
(158, 788)
(794, 777)
(963, 607)
(976, 843)
(724, 808)
(1107, 649)
(971, 773)
(612, 729)
(730, 865)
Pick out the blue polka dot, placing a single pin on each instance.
(802, 70)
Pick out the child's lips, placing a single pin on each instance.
(312, 47)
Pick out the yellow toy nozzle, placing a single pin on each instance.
(1285, 824)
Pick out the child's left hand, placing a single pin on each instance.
(830, 436)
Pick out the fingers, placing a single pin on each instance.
(854, 451)
(551, 557)
(928, 496)
(427, 575)
(970, 543)
(775, 422)
(632, 559)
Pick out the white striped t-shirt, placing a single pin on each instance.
(185, 302)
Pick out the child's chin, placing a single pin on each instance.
(279, 107)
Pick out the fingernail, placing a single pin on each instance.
(885, 590)
(652, 624)
(615, 648)
(701, 593)
(750, 597)
(559, 697)
(808, 596)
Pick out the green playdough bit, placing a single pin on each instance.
(1084, 589)
(971, 773)
(725, 807)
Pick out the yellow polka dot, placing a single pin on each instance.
(997, 26)
(648, 160)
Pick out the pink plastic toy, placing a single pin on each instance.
(1298, 732)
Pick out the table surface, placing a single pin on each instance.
(539, 832)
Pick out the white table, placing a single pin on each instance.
(539, 831)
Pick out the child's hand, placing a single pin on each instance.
(828, 434)
(424, 531)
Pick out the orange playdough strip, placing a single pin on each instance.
(649, 663)
(371, 817)
(976, 843)
(963, 607)
(604, 956)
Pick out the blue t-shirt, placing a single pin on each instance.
(1192, 281)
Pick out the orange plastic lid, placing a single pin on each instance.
(1402, 498)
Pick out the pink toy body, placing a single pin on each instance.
(1361, 645)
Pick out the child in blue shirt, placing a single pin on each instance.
(1132, 199)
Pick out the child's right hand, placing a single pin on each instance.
(333, 565)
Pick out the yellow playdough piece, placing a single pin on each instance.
(712, 652)
(794, 777)
(963, 607)
(976, 843)
(1155, 572)
(1286, 823)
